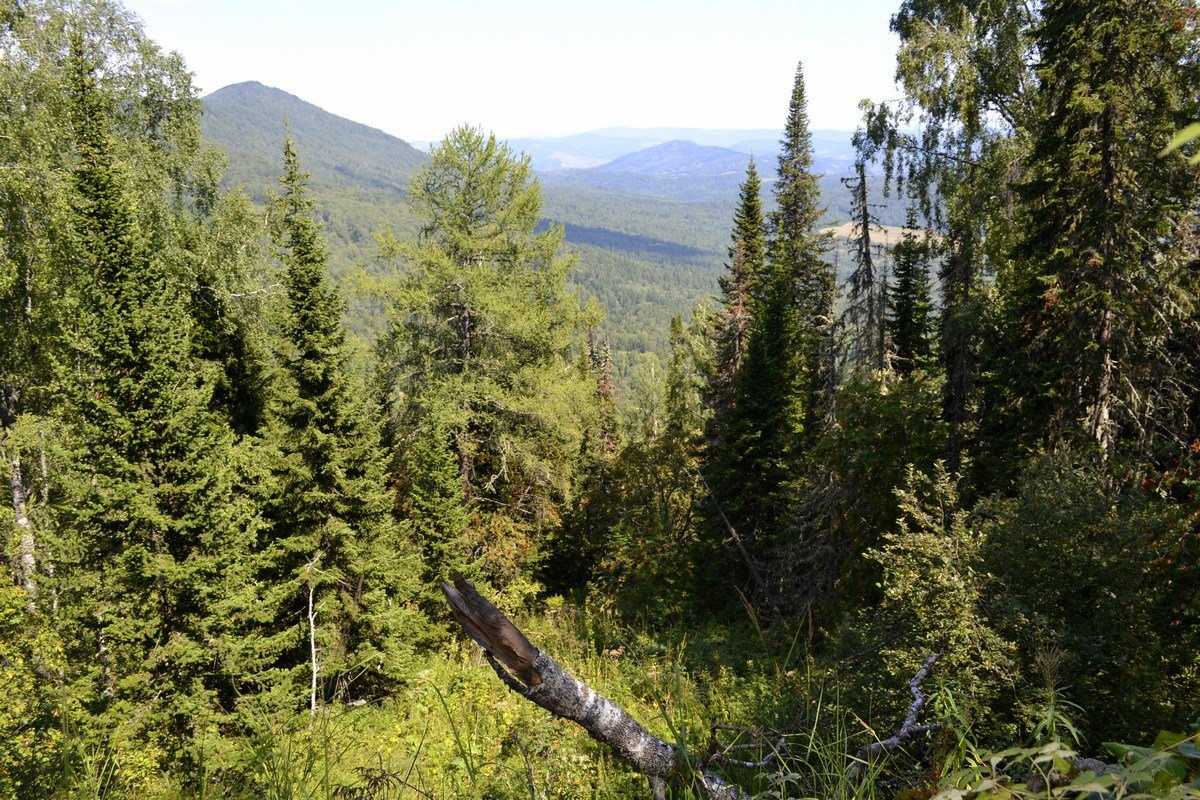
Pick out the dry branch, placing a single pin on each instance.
(908, 729)
(536, 677)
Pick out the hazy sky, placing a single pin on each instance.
(541, 67)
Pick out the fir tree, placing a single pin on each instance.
(159, 540)
(909, 321)
(338, 574)
(731, 394)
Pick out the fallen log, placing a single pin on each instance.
(535, 676)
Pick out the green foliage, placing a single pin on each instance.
(935, 588)
(152, 529)
(1086, 357)
(483, 333)
(741, 287)
(1056, 551)
(885, 429)
(30, 736)
(337, 575)
(910, 318)
(1168, 769)
(799, 311)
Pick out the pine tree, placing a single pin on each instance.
(338, 575)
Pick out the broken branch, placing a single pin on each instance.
(538, 678)
(908, 729)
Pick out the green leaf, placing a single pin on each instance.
(1188, 134)
(1122, 750)
(1168, 739)
(1188, 750)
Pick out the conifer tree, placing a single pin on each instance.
(799, 274)
(338, 575)
(731, 395)
(776, 394)
(1099, 278)
(158, 540)
(484, 333)
(740, 286)
(909, 321)
(866, 304)
(967, 72)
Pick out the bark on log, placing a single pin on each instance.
(536, 677)
(908, 729)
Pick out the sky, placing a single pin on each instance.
(539, 68)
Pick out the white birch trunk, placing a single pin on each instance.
(27, 556)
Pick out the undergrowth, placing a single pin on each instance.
(721, 694)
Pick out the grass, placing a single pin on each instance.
(456, 732)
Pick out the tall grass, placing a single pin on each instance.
(456, 732)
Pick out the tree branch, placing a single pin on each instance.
(536, 677)
(908, 729)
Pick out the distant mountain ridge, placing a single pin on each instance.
(832, 150)
(643, 255)
(680, 157)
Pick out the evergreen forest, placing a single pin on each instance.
(902, 519)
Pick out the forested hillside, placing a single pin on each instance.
(911, 519)
(649, 241)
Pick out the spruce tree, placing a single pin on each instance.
(799, 275)
(1098, 284)
(740, 286)
(338, 575)
(731, 395)
(158, 540)
(768, 400)
(866, 304)
(909, 319)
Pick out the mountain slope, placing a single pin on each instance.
(644, 257)
(247, 120)
(680, 158)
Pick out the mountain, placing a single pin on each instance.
(247, 120)
(832, 151)
(680, 158)
(645, 257)
(577, 151)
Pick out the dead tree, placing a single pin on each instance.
(535, 676)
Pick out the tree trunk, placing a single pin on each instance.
(26, 562)
(312, 646)
(542, 681)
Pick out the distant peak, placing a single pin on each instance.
(250, 87)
